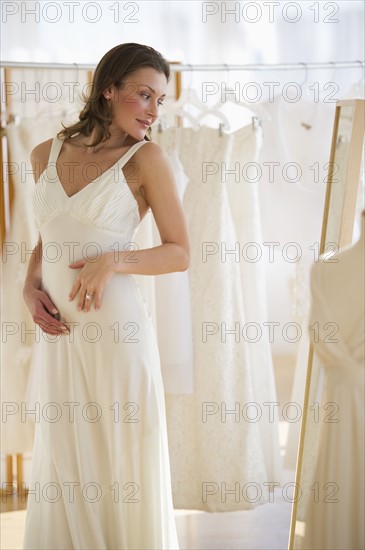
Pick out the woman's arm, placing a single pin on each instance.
(160, 192)
(37, 301)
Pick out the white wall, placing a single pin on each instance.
(193, 31)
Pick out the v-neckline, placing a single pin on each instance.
(69, 197)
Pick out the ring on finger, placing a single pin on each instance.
(88, 296)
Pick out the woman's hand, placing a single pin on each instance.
(43, 310)
(95, 274)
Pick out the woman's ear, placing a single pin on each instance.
(107, 93)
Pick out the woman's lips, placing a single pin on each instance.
(144, 123)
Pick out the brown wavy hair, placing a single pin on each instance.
(112, 69)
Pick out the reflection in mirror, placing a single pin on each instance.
(344, 196)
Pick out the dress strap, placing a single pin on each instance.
(57, 145)
(55, 150)
(125, 158)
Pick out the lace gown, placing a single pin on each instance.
(216, 449)
(100, 473)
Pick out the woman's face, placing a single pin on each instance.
(135, 106)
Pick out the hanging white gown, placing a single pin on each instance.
(243, 194)
(173, 311)
(214, 434)
(322, 127)
(168, 296)
(334, 516)
(100, 471)
(298, 140)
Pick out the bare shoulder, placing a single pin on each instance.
(39, 157)
(151, 155)
(42, 151)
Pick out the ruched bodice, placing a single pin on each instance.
(106, 202)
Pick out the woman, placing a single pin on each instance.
(101, 475)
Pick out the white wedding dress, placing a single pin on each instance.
(334, 513)
(215, 446)
(100, 473)
(167, 296)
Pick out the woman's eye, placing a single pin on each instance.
(147, 96)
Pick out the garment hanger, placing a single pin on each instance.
(194, 120)
(357, 90)
(303, 84)
(189, 96)
(224, 124)
(172, 110)
(308, 124)
(260, 113)
(61, 112)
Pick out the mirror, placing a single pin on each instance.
(337, 231)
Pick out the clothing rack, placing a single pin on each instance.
(177, 67)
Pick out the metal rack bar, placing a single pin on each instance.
(191, 67)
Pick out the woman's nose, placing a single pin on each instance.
(153, 110)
